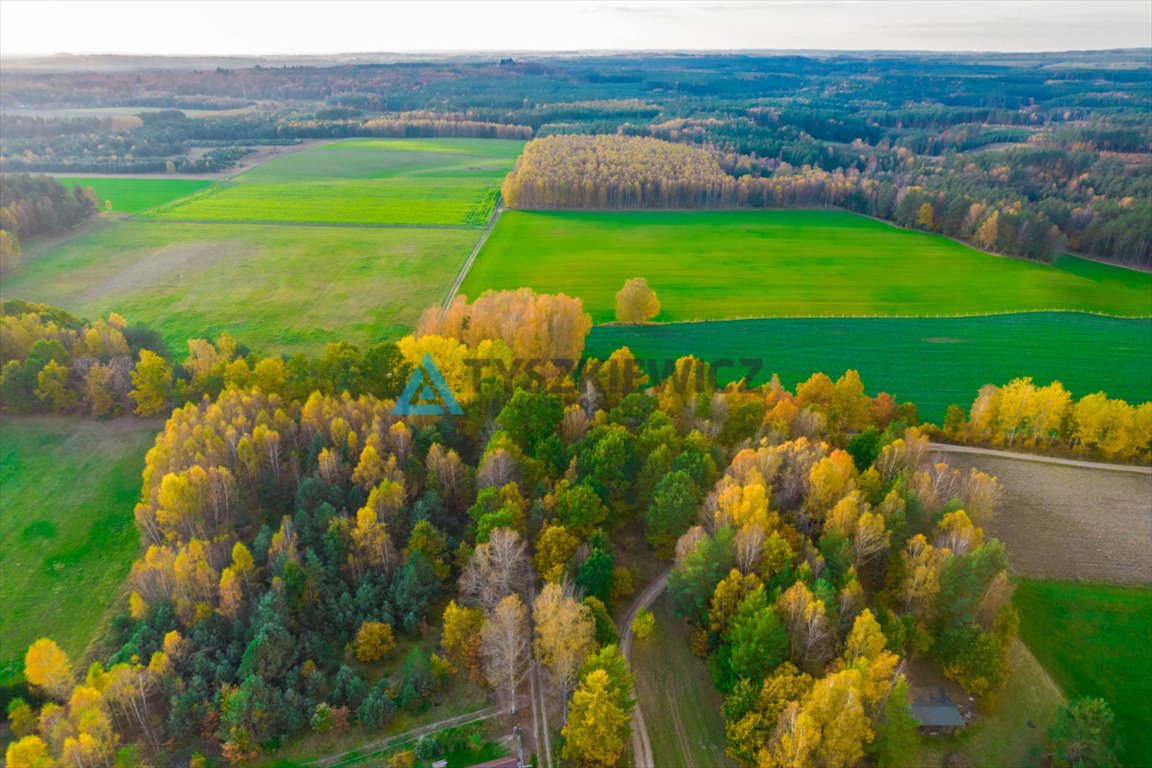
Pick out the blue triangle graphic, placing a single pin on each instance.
(427, 394)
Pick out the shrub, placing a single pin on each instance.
(644, 624)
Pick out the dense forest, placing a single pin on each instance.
(37, 205)
(301, 540)
(1055, 149)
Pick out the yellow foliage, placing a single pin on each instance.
(373, 640)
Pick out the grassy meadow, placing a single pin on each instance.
(932, 362)
(1093, 639)
(729, 264)
(242, 263)
(67, 535)
(131, 195)
(413, 182)
(275, 288)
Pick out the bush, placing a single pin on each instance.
(644, 625)
(405, 759)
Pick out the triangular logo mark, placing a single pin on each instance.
(427, 394)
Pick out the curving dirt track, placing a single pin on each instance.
(641, 744)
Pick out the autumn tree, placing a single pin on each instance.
(29, 752)
(554, 549)
(373, 640)
(565, 635)
(52, 388)
(497, 568)
(504, 647)
(47, 667)
(596, 732)
(636, 302)
(461, 638)
(152, 382)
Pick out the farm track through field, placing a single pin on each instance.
(381, 745)
(641, 743)
(472, 256)
(948, 448)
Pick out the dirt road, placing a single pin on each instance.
(641, 744)
(381, 745)
(459, 281)
(948, 448)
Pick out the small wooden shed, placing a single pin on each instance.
(936, 711)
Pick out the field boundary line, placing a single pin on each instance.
(467, 266)
(832, 316)
(1040, 459)
(280, 223)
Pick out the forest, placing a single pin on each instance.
(1052, 148)
(300, 539)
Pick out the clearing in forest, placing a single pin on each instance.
(67, 534)
(681, 708)
(707, 265)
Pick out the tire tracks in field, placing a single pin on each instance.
(467, 266)
(641, 743)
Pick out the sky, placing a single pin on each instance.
(239, 27)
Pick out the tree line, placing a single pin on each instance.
(38, 205)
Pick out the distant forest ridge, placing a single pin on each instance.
(1054, 148)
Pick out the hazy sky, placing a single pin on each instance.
(306, 26)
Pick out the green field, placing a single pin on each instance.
(932, 362)
(130, 195)
(67, 536)
(681, 708)
(414, 182)
(1093, 639)
(276, 288)
(729, 264)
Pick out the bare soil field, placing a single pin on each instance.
(1071, 523)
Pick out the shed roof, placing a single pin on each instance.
(934, 708)
(500, 762)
